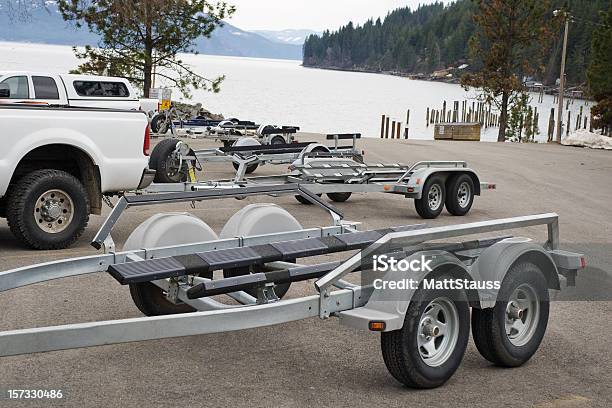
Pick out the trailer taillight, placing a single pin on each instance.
(146, 146)
(377, 326)
(583, 262)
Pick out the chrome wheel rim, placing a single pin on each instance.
(522, 315)
(435, 197)
(438, 331)
(53, 211)
(464, 194)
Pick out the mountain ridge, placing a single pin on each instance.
(45, 25)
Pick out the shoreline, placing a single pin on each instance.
(425, 78)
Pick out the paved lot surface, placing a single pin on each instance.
(316, 363)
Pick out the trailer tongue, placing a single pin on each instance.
(179, 278)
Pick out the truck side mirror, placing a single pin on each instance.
(5, 93)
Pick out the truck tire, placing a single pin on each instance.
(431, 204)
(165, 165)
(509, 334)
(460, 194)
(48, 209)
(429, 348)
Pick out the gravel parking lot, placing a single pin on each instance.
(317, 363)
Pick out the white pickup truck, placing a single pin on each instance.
(23, 87)
(57, 163)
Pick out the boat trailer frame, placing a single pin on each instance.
(334, 296)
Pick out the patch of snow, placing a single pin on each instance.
(584, 138)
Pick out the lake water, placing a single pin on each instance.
(284, 93)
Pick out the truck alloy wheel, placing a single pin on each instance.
(429, 348)
(54, 211)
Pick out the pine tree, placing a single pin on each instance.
(509, 43)
(137, 35)
(600, 73)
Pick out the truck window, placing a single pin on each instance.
(101, 89)
(18, 85)
(45, 88)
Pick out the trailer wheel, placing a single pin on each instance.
(304, 201)
(160, 230)
(428, 349)
(250, 168)
(168, 167)
(159, 123)
(460, 195)
(509, 334)
(259, 219)
(339, 197)
(431, 204)
(48, 209)
(152, 301)
(277, 140)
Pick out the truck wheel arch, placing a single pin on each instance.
(67, 158)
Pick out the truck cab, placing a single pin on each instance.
(82, 91)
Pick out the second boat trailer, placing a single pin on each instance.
(171, 264)
(340, 173)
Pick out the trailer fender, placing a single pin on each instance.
(247, 141)
(495, 262)
(420, 176)
(390, 305)
(169, 229)
(259, 219)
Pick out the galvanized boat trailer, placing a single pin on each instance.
(339, 173)
(424, 330)
(171, 155)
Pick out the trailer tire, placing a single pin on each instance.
(165, 166)
(152, 301)
(490, 326)
(68, 198)
(160, 230)
(278, 140)
(304, 201)
(339, 197)
(404, 351)
(460, 194)
(431, 204)
(250, 168)
(159, 124)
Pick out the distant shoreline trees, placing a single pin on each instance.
(434, 36)
(600, 74)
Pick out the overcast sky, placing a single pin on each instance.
(311, 14)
